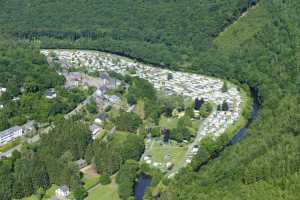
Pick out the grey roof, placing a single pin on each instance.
(94, 127)
(102, 88)
(104, 76)
(64, 188)
(102, 116)
(10, 130)
(50, 93)
(80, 162)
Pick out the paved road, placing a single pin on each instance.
(80, 106)
(198, 137)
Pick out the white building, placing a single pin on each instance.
(95, 129)
(10, 134)
(2, 89)
(62, 193)
(51, 94)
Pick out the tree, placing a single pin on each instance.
(225, 106)
(92, 107)
(155, 131)
(79, 192)
(224, 87)
(170, 76)
(105, 180)
(198, 103)
(6, 182)
(126, 178)
(205, 110)
(128, 121)
(131, 99)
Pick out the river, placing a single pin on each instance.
(145, 181)
(142, 184)
(255, 108)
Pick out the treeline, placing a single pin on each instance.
(24, 69)
(264, 165)
(27, 77)
(49, 162)
(261, 50)
(159, 31)
(35, 106)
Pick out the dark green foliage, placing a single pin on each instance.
(141, 89)
(67, 136)
(92, 107)
(6, 181)
(161, 31)
(181, 132)
(27, 76)
(264, 165)
(205, 110)
(24, 67)
(155, 131)
(128, 121)
(263, 54)
(110, 155)
(79, 192)
(198, 103)
(126, 179)
(105, 179)
(50, 162)
(225, 106)
(225, 87)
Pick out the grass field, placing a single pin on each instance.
(242, 30)
(49, 193)
(169, 123)
(10, 145)
(104, 192)
(33, 197)
(160, 152)
(90, 177)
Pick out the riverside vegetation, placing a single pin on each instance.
(260, 50)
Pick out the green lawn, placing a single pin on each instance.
(104, 192)
(33, 197)
(10, 145)
(90, 181)
(159, 153)
(120, 136)
(242, 30)
(50, 192)
(169, 123)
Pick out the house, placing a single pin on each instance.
(62, 192)
(106, 81)
(10, 134)
(2, 90)
(81, 163)
(51, 94)
(104, 78)
(29, 126)
(101, 91)
(101, 118)
(95, 129)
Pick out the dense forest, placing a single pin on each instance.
(27, 77)
(161, 31)
(261, 50)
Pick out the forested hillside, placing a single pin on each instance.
(22, 67)
(161, 31)
(26, 75)
(261, 50)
